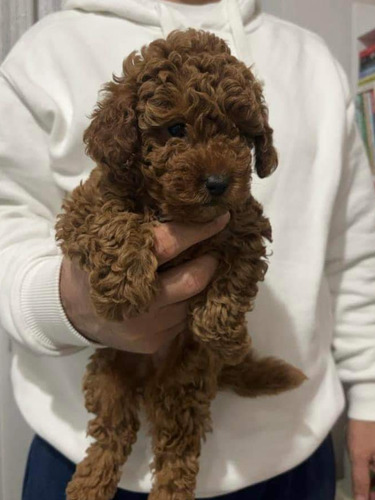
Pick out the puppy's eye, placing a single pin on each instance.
(177, 130)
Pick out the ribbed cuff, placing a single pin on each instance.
(361, 399)
(42, 310)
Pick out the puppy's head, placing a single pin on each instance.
(183, 126)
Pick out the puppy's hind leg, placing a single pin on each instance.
(178, 409)
(110, 396)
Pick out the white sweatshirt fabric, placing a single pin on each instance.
(316, 308)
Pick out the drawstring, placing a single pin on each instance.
(241, 42)
(167, 21)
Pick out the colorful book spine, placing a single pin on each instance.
(367, 52)
(367, 59)
(366, 72)
(368, 79)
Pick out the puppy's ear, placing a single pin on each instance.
(265, 154)
(246, 106)
(112, 136)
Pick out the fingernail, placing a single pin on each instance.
(360, 497)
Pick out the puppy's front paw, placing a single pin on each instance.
(123, 272)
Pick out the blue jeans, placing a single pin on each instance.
(48, 472)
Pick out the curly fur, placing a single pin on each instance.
(143, 174)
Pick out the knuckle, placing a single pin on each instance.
(193, 282)
(166, 245)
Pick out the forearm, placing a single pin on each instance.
(30, 307)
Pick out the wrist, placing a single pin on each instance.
(71, 297)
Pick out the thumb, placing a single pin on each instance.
(361, 478)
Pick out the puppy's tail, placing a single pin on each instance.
(260, 377)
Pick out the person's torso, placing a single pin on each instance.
(292, 317)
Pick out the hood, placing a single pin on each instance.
(238, 17)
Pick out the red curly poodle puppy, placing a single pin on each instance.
(175, 137)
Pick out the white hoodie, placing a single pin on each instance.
(319, 291)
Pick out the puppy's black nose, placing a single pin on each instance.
(216, 184)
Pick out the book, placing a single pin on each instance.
(367, 61)
(370, 70)
(367, 79)
(370, 84)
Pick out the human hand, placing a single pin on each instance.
(361, 446)
(167, 315)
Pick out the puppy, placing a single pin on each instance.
(175, 137)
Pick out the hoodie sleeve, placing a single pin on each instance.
(30, 306)
(350, 268)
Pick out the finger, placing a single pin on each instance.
(155, 342)
(149, 324)
(183, 282)
(361, 478)
(172, 238)
(172, 314)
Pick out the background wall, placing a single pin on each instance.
(329, 18)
